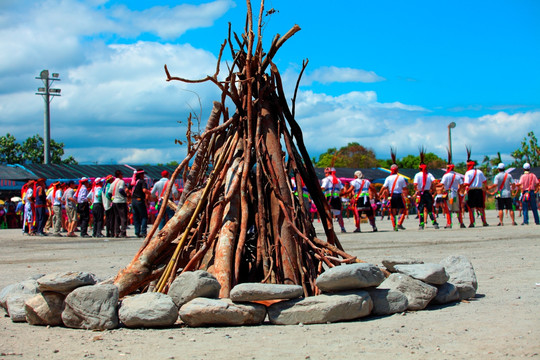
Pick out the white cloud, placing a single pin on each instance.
(333, 74)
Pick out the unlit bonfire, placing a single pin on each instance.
(349, 292)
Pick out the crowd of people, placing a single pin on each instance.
(453, 194)
(104, 207)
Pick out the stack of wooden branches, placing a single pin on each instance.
(239, 217)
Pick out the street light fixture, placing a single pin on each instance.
(450, 126)
(48, 94)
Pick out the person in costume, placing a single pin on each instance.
(452, 181)
(394, 185)
(107, 206)
(364, 191)
(119, 197)
(423, 185)
(528, 182)
(138, 203)
(83, 207)
(56, 201)
(98, 212)
(40, 206)
(475, 186)
(502, 189)
(331, 187)
(27, 196)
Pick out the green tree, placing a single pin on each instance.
(353, 155)
(31, 151)
(10, 150)
(529, 151)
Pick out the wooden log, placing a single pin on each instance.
(135, 274)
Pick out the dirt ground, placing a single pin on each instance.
(503, 321)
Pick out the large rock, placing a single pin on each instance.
(390, 263)
(258, 291)
(446, 293)
(148, 310)
(321, 309)
(45, 309)
(13, 296)
(388, 302)
(462, 275)
(418, 293)
(429, 273)
(92, 307)
(350, 277)
(193, 284)
(65, 282)
(207, 312)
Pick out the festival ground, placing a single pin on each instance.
(503, 321)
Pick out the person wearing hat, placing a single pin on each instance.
(503, 193)
(107, 205)
(138, 202)
(423, 185)
(474, 183)
(158, 191)
(452, 182)
(40, 206)
(364, 191)
(96, 197)
(56, 201)
(70, 203)
(331, 187)
(118, 194)
(83, 207)
(528, 182)
(393, 188)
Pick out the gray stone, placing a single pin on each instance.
(447, 293)
(258, 291)
(462, 275)
(388, 302)
(350, 277)
(389, 264)
(147, 310)
(65, 282)
(13, 296)
(207, 312)
(321, 309)
(92, 307)
(45, 309)
(429, 273)
(418, 293)
(193, 284)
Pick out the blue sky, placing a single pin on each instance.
(381, 73)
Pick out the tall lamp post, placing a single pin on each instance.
(48, 94)
(450, 127)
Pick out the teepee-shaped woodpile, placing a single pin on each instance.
(239, 217)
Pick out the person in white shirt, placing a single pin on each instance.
(452, 181)
(393, 186)
(423, 183)
(364, 192)
(56, 200)
(474, 184)
(331, 187)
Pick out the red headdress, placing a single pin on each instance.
(423, 166)
(470, 163)
(449, 165)
(394, 168)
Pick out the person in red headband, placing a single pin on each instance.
(138, 203)
(118, 194)
(452, 182)
(393, 188)
(423, 186)
(331, 187)
(474, 185)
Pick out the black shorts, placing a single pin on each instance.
(335, 203)
(426, 202)
(396, 202)
(475, 198)
(504, 203)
